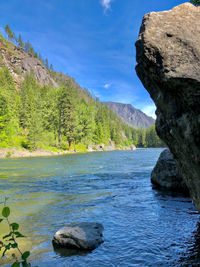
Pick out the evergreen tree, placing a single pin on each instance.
(4, 118)
(35, 55)
(27, 47)
(142, 138)
(51, 67)
(46, 63)
(15, 39)
(30, 115)
(98, 133)
(49, 110)
(67, 123)
(20, 42)
(40, 57)
(9, 32)
(115, 135)
(86, 124)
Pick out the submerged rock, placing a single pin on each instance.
(81, 236)
(168, 56)
(166, 175)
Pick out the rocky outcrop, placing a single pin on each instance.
(81, 236)
(21, 63)
(132, 116)
(168, 56)
(110, 147)
(166, 175)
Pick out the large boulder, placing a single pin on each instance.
(166, 174)
(81, 236)
(168, 56)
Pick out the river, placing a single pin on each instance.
(143, 226)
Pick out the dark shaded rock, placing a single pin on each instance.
(81, 236)
(168, 56)
(166, 175)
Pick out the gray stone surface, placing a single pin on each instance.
(168, 56)
(81, 236)
(134, 117)
(166, 175)
(21, 63)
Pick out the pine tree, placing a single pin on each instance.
(15, 38)
(20, 42)
(46, 63)
(51, 67)
(27, 47)
(30, 114)
(67, 114)
(9, 32)
(4, 118)
(40, 57)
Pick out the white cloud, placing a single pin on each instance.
(149, 110)
(107, 85)
(106, 4)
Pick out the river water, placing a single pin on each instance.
(143, 226)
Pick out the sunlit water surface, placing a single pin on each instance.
(143, 227)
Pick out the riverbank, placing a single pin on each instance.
(25, 153)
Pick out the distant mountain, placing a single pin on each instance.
(131, 115)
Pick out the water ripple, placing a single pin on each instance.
(143, 227)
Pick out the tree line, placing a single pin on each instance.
(39, 116)
(26, 46)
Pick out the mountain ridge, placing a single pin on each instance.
(132, 116)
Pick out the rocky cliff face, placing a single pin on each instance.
(132, 116)
(20, 63)
(168, 56)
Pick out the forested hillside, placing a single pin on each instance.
(40, 108)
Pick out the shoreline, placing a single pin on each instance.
(11, 153)
(7, 153)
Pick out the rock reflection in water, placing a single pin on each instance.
(65, 252)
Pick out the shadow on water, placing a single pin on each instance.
(66, 252)
(192, 255)
(171, 193)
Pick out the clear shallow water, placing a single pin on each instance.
(143, 227)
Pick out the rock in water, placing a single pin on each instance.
(168, 56)
(81, 236)
(166, 175)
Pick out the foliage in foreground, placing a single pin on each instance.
(195, 2)
(9, 241)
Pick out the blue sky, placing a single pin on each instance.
(90, 40)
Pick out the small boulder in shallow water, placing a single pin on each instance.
(166, 174)
(81, 236)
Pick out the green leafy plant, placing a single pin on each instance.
(195, 2)
(9, 240)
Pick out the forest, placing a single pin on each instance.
(59, 118)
